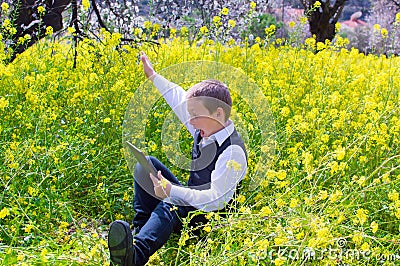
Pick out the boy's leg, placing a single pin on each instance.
(144, 199)
(164, 220)
(120, 237)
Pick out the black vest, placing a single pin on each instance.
(204, 159)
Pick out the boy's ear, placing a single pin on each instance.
(220, 112)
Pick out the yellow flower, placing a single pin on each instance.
(241, 198)
(32, 191)
(156, 27)
(207, 228)
(3, 103)
(265, 211)
(139, 31)
(300, 235)
(20, 257)
(85, 4)
(334, 167)
(362, 215)
(377, 27)
(4, 213)
(184, 31)
(209, 215)
(285, 111)
(398, 18)
(164, 182)
(43, 253)
(232, 23)
(28, 228)
(49, 30)
(303, 20)
(234, 164)
(320, 46)
(262, 245)
(357, 238)
(293, 203)
(365, 247)
(147, 24)
(270, 30)
(106, 120)
(204, 30)
(280, 240)
(336, 195)
(253, 5)
(224, 11)
(360, 181)
(311, 43)
(172, 32)
(41, 10)
(338, 26)
(183, 239)
(5, 7)
(393, 195)
(374, 227)
(126, 197)
(384, 33)
(317, 4)
(397, 213)
(281, 175)
(7, 23)
(323, 194)
(71, 30)
(340, 153)
(292, 24)
(279, 261)
(217, 20)
(280, 202)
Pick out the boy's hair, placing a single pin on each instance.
(209, 90)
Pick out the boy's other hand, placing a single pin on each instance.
(162, 187)
(147, 67)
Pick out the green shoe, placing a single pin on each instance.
(120, 244)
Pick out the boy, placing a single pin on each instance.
(219, 162)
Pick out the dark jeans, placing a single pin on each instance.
(155, 220)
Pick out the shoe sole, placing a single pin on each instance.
(120, 243)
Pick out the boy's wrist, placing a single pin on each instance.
(152, 76)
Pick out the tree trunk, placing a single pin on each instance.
(322, 21)
(27, 21)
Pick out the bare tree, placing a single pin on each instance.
(28, 20)
(396, 2)
(32, 17)
(322, 21)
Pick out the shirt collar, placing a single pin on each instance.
(221, 135)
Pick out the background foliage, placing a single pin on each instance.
(335, 174)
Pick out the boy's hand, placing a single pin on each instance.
(162, 187)
(147, 67)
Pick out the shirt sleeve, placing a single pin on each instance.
(175, 96)
(230, 169)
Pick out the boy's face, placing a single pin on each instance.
(202, 119)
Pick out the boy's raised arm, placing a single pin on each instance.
(147, 67)
(174, 95)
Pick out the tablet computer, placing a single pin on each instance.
(142, 159)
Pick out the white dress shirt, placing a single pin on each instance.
(230, 167)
